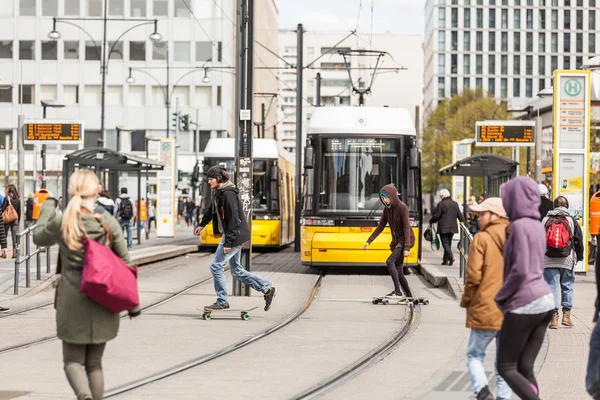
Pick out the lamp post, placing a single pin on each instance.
(148, 139)
(45, 104)
(122, 128)
(155, 37)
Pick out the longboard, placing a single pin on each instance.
(386, 300)
(244, 313)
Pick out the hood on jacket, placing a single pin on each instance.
(124, 196)
(559, 211)
(228, 185)
(392, 193)
(497, 231)
(105, 201)
(521, 198)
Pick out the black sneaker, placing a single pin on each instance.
(217, 306)
(444, 262)
(269, 297)
(451, 262)
(393, 294)
(407, 271)
(4, 309)
(485, 394)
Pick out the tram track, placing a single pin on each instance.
(192, 363)
(151, 306)
(373, 357)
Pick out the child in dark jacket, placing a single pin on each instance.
(395, 214)
(525, 298)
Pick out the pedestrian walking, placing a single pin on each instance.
(483, 281)
(546, 204)
(525, 298)
(11, 199)
(151, 215)
(180, 209)
(106, 202)
(189, 212)
(29, 210)
(564, 248)
(125, 213)
(592, 378)
(3, 253)
(228, 220)
(83, 325)
(446, 215)
(395, 213)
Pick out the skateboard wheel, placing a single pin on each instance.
(245, 317)
(386, 302)
(375, 301)
(426, 302)
(206, 316)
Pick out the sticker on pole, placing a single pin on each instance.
(245, 115)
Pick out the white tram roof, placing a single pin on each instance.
(361, 120)
(261, 148)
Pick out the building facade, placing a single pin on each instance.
(508, 48)
(197, 46)
(398, 86)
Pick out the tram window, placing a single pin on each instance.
(260, 185)
(274, 187)
(308, 187)
(353, 170)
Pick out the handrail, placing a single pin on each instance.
(27, 257)
(463, 247)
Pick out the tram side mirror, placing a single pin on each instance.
(274, 172)
(413, 158)
(309, 155)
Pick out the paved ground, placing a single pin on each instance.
(339, 328)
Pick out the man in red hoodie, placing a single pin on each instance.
(395, 214)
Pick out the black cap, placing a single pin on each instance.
(216, 171)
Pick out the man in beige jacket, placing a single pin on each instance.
(484, 279)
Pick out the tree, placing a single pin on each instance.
(455, 119)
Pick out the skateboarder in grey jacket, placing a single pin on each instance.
(395, 214)
(228, 219)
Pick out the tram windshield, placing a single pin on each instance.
(353, 170)
(266, 195)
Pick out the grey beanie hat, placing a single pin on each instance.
(216, 171)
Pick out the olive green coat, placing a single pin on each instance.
(79, 319)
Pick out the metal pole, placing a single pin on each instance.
(20, 161)
(16, 281)
(263, 123)
(139, 207)
(27, 262)
(6, 160)
(297, 183)
(48, 259)
(38, 262)
(538, 150)
(118, 139)
(43, 162)
(103, 71)
(147, 177)
(177, 120)
(247, 253)
(318, 89)
(168, 95)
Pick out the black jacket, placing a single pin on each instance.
(545, 206)
(397, 217)
(29, 209)
(231, 213)
(445, 214)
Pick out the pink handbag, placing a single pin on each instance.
(106, 278)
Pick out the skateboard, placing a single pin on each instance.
(244, 313)
(385, 300)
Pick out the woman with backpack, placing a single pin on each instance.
(12, 199)
(395, 214)
(83, 325)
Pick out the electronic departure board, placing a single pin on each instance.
(45, 131)
(505, 133)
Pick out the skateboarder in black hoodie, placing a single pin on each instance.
(226, 213)
(395, 214)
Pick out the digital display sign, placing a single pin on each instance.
(53, 131)
(505, 133)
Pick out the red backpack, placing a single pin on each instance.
(559, 237)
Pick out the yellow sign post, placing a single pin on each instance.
(571, 164)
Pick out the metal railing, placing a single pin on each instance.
(463, 247)
(27, 259)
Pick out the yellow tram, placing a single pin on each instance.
(351, 153)
(273, 184)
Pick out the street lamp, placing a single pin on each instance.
(148, 139)
(45, 104)
(547, 92)
(103, 55)
(206, 79)
(122, 128)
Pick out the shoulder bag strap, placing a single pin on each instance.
(109, 235)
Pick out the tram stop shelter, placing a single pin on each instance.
(494, 168)
(107, 164)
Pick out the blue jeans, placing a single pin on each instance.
(478, 343)
(217, 267)
(127, 224)
(592, 378)
(561, 279)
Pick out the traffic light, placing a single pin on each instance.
(185, 122)
(195, 174)
(179, 175)
(175, 120)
